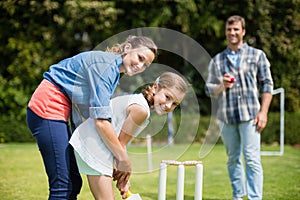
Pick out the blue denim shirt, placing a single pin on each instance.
(89, 80)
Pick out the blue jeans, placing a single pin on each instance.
(52, 137)
(243, 139)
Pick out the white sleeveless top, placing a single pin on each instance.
(87, 142)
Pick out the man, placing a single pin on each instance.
(238, 77)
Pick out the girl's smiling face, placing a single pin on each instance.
(166, 99)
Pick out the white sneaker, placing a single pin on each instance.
(237, 198)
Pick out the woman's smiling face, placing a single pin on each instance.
(137, 60)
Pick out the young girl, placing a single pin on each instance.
(130, 116)
(84, 85)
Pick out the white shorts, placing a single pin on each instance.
(84, 168)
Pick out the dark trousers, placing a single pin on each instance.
(52, 137)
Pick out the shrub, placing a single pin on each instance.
(16, 131)
(270, 135)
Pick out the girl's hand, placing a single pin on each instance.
(122, 173)
(125, 191)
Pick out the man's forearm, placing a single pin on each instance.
(266, 99)
(218, 89)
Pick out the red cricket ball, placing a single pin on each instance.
(232, 79)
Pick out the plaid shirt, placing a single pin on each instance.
(253, 76)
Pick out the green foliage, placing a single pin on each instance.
(292, 128)
(192, 130)
(14, 131)
(270, 135)
(36, 34)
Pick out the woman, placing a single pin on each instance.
(81, 85)
(130, 116)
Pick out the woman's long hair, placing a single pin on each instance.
(135, 42)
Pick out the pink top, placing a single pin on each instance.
(49, 102)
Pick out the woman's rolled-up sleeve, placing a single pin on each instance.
(103, 81)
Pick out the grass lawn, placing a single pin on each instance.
(22, 174)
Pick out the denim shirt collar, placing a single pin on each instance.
(119, 61)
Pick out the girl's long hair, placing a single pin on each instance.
(168, 80)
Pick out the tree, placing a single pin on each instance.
(36, 34)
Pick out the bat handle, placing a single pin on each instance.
(128, 194)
